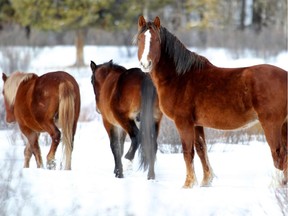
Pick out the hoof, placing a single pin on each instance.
(207, 182)
(51, 165)
(189, 183)
(285, 178)
(118, 174)
(151, 176)
(285, 181)
(187, 186)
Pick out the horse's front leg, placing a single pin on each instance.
(117, 151)
(122, 136)
(186, 132)
(201, 149)
(32, 147)
(27, 155)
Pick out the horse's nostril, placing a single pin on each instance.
(146, 64)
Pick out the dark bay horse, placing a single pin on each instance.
(124, 96)
(194, 92)
(40, 103)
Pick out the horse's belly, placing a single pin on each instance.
(226, 120)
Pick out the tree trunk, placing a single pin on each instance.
(257, 15)
(242, 15)
(79, 43)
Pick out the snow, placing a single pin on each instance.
(245, 182)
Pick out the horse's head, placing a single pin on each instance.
(149, 43)
(99, 74)
(8, 106)
(96, 83)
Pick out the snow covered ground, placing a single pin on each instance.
(245, 182)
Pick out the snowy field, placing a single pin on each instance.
(245, 182)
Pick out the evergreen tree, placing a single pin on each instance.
(6, 12)
(63, 15)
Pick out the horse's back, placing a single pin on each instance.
(47, 86)
(55, 78)
(268, 73)
(236, 93)
(129, 87)
(130, 77)
(121, 95)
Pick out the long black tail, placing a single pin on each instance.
(148, 130)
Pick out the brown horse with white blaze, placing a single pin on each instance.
(194, 92)
(37, 104)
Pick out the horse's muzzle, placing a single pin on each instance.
(146, 66)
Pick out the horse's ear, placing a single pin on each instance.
(141, 22)
(157, 22)
(93, 66)
(4, 77)
(111, 62)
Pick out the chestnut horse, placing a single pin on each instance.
(124, 96)
(38, 103)
(194, 92)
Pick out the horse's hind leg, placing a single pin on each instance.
(117, 151)
(273, 132)
(27, 155)
(151, 172)
(32, 147)
(285, 147)
(36, 149)
(55, 135)
(201, 149)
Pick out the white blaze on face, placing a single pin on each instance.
(144, 61)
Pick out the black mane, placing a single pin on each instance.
(114, 66)
(184, 59)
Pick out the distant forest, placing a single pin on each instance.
(260, 25)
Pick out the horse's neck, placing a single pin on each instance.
(165, 71)
(164, 74)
